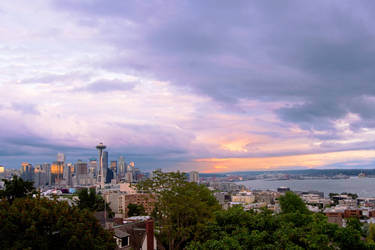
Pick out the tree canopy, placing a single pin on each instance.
(89, 199)
(33, 223)
(136, 210)
(294, 228)
(182, 208)
(16, 188)
(290, 203)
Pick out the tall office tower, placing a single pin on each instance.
(27, 171)
(121, 167)
(71, 167)
(130, 167)
(81, 168)
(130, 172)
(194, 176)
(57, 172)
(113, 166)
(47, 167)
(37, 171)
(2, 169)
(129, 177)
(92, 167)
(67, 175)
(105, 165)
(100, 176)
(40, 176)
(61, 157)
(81, 172)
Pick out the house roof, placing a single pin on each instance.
(120, 234)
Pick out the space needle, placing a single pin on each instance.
(100, 177)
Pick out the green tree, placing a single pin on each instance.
(135, 210)
(290, 202)
(351, 195)
(332, 194)
(349, 238)
(16, 188)
(30, 223)
(88, 198)
(371, 233)
(181, 209)
(238, 229)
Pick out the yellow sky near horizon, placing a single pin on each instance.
(215, 165)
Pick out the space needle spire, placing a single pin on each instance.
(100, 176)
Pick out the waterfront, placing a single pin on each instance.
(364, 187)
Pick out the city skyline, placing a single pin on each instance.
(207, 86)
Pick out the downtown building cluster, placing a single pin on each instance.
(93, 172)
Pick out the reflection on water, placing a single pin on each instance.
(364, 187)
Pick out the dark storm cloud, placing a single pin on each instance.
(318, 54)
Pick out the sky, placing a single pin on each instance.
(213, 86)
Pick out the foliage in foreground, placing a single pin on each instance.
(136, 210)
(294, 228)
(182, 208)
(31, 223)
(16, 188)
(89, 199)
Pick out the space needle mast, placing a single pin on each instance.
(100, 177)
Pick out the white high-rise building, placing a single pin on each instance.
(93, 167)
(60, 157)
(121, 167)
(194, 176)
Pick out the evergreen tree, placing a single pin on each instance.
(16, 188)
(33, 223)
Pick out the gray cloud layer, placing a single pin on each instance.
(316, 58)
(319, 55)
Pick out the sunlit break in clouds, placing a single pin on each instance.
(214, 86)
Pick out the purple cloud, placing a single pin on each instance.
(107, 86)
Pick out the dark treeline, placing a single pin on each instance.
(28, 221)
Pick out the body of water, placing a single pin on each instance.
(364, 187)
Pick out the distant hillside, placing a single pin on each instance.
(307, 172)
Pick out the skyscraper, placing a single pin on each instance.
(61, 157)
(81, 172)
(105, 165)
(100, 175)
(57, 171)
(130, 167)
(121, 167)
(194, 176)
(93, 167)
(27, 171)
(47, 167)
(114, 166)
(67, 175)
(130, 172)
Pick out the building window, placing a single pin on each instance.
(125, 241)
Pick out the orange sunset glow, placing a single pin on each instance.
(282, 162)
